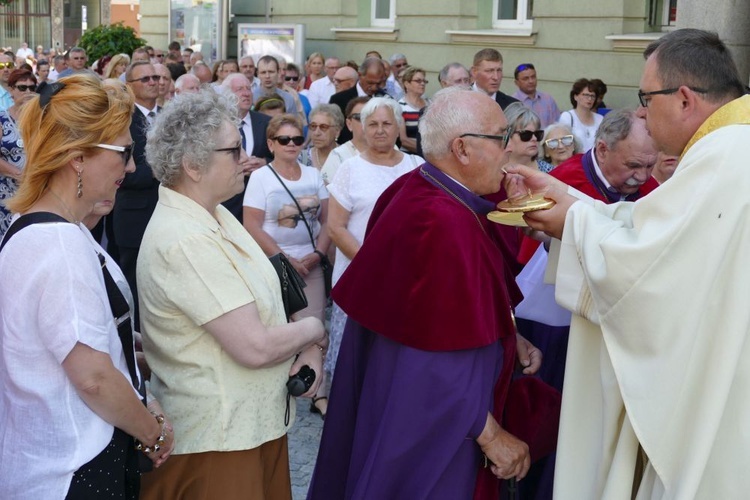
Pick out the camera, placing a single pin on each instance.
(300, 382)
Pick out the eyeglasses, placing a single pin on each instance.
(644, 102)
(145, 79)
(322, 126)
(291, 78)
(235, 152)
(125, 151)
(588, 96)
(285, 140)
(355, 116)
(24, 88)
(526, 135)
(425, 82)
(500, 138)
(6, 65)
(565, 141)
(342, 80)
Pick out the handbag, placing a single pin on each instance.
(292, 284)
(325, 263)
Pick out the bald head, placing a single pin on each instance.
(345, 78)
(202, 72)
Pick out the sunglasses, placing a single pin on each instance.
(565, 141)
(355, 116)
(24, 88)
(285, 140)
(235, 152)
(526, 135)
(322, 126)
(6, 65)
(145, 79)
(291, 78)
(125, 151)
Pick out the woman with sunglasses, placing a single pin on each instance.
(22, 84)
(286, 210)
(523, 136)
(557, 145)
(326, 122)
(215, 333)
(356, 186)
(72, 394)
(414, 82)
(583, 119)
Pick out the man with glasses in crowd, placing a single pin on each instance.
(487, 72)
(6, 68)
(407, 349)
(371, 83)
(253, 127)
(393, 86)
(247, 68)
(658, 365)
(344, 79)
(322, 89)
(75, 60)
(139, 192)
(543, 104)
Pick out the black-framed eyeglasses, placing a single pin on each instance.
(24, 88)
(235, 152)
(500, 138)
(144, 80)
(356, 117)
(285, 140)
(125, 151)
(644, 102)
(564, 141)
(526, 135)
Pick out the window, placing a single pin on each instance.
(662, 14)
(26, 21)
(512, 14)
(383, 13)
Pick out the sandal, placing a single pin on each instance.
(315, 409)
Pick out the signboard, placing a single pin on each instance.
(283, 41)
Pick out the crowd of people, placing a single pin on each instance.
(146, 199)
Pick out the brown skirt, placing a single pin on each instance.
(259, 474)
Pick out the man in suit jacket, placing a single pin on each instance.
(371, 83)
(487, 73)
(139, 192)
(252, 130)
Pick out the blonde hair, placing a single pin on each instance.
(83, 113)
(114, 62)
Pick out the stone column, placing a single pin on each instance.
(729, 18)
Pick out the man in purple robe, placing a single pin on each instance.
(428, 351)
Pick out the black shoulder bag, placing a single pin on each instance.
(325, 264)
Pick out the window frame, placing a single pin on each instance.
(521, 21)
(383, 22)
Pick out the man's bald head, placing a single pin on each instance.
(345, 78)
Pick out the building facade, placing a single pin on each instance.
(564, 39)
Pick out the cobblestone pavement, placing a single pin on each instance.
(304, 438)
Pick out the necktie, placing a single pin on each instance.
(242, 133)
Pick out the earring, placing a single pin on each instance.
(80, 185)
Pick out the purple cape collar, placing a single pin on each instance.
(430, 172)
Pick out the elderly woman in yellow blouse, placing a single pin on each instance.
(214, 329)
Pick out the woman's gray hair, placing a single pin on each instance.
(333, 112)
(577, 147)
(519, 117)
(449, 115)
(186, 131)
(381, 102)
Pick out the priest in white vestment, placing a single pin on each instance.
(656, 402)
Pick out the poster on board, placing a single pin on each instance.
(285, 41)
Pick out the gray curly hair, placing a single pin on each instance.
(186, 131)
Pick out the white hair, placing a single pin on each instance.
(446, 118)
(381, 102)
